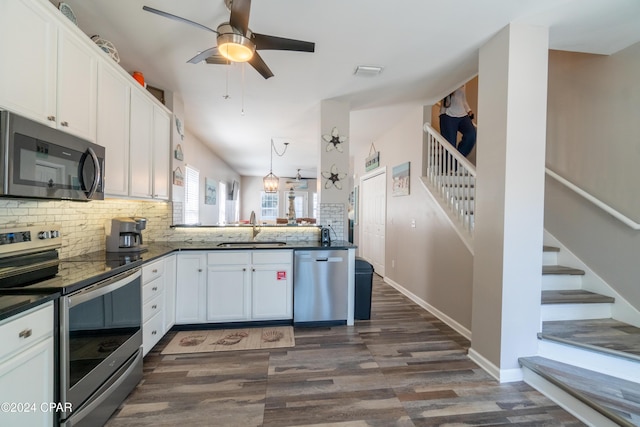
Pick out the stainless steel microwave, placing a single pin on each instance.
(37, 161)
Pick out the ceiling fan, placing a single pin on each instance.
(236, 42)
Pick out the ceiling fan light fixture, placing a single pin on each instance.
(235, 47)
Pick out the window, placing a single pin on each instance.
(315, 206)
(268, 205)
(300, 203)
(192, 193)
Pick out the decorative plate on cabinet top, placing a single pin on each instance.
(66, 11)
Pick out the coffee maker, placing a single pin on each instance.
(125, 234)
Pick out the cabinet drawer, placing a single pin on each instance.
(151, 332)
(152, 307)
(272, 257)
(229, 257)
(26, 329)
(152, 271)
(151, 289)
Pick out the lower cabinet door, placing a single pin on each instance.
(272, 292)
(151, 332)
(228, 296)
(26, 386)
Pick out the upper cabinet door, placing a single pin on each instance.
(113, 128)
(161, 153)
(77, 82)
(28, 42)
(141, 143)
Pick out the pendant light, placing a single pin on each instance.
(271, 181)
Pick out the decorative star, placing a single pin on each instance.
(333, 178)
(334, 141)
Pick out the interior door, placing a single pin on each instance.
(374, 204)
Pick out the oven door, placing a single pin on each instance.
(100, 332)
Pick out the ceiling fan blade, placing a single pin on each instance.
(258, 63)
(240, 15)
(204, 55)
(177, 18)
(264, 42)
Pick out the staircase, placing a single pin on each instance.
(588, 362)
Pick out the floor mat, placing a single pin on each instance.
(230, 340)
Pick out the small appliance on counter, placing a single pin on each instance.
(125, 234)
(325, 236)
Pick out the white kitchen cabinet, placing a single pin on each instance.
(152, 304)
(150, 130)
(191, 287)
(228, 286)
(169, 292)
(161, 153)
(249, 285)
(26, 367)
(47, 73)
(29, 45)
(114, 93)
(77, 86)
(140, 145)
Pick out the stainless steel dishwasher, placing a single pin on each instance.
(320, 287)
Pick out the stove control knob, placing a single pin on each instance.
(54, 234)
(44, 235)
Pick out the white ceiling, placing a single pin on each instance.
(426, 47)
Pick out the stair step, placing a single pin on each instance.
(560, 269)
(607, 336)
(615, 398)
(574, 296)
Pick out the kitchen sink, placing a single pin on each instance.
(251, 244)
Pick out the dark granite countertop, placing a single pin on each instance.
(12, 305)
(83, 270)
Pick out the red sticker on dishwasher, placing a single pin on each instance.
(282, 275)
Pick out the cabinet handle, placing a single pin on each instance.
(199, 270)
(155, 288)
(26, 333)
(153, 307)
(244, 269)
(155, 270)
(154, 332)
(253, 269)
(51, 118)
(65, 124)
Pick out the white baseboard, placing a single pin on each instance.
(440, 315)
(501, 375)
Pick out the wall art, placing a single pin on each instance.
(333, 177)
(210, 191)
(401, 179)
(334, 141)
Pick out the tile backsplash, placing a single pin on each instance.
(82, 225)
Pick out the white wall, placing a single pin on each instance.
(592, 140)
(430, 260)
(200, 156)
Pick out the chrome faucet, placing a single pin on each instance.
(252, 218)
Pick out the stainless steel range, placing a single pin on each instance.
(99, 346)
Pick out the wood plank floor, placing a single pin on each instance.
(402, 368)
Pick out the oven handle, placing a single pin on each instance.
(103, 287)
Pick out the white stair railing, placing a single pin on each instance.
(451, 176)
